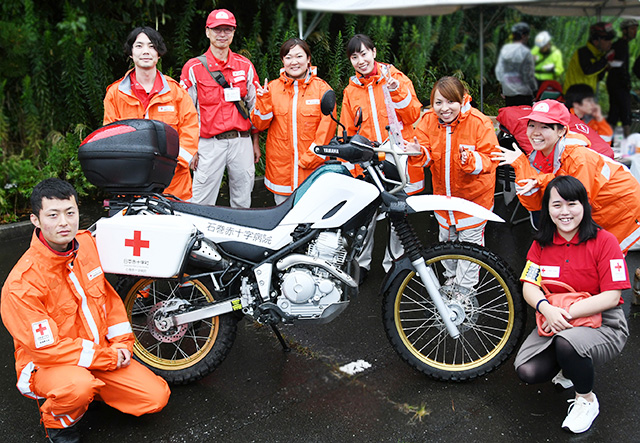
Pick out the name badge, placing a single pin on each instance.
(232, 94)
(550, 271)
(95, 273)
(314, 101)
(167, 108)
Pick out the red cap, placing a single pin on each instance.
(221, 17)
(549, 111)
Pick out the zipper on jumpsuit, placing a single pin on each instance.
(294, 129)
(374, 113)
(447, 174)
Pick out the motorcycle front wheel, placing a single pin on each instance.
(183, 353)
(482, 292)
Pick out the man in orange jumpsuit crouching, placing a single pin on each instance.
(72, 337)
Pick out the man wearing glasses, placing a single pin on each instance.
(221, 85)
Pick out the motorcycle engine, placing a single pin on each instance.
(312, 292)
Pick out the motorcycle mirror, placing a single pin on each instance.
(327, 105)
(357, 120)
(328, 102)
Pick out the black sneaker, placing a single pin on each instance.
(64, 435)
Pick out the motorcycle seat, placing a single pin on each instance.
(260, 218)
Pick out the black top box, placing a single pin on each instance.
(130, 156)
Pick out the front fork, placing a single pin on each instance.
(411, 246)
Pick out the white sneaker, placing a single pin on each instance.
(561, 380)
(581, 414)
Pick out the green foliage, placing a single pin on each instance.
(58, 158)
(57, 58)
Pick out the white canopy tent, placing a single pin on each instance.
(591, 8)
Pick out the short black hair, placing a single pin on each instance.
(51, 188)
(576, 93)
(356, 43)
(154, 36)
(570, 189)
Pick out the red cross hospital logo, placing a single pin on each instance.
(42, 333)
(136, 243)
(40, 329)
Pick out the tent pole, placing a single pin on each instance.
(300, 25)
(481, 59)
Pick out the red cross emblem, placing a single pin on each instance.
(136, 242)
(618, 267)
(41, 329)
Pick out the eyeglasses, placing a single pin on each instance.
(221, 30)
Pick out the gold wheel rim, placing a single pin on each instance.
(456, 367)
(157, 361)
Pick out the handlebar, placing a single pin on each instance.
(358, 149)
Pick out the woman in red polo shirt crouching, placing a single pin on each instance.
(571, 248)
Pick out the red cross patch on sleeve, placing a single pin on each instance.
(618, 271)
(42, 334)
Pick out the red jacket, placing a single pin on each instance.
(216, 114)
(291, 112)
(475, 180)
(613, 192)
(171, 105)
(368, 95)
(61, 310)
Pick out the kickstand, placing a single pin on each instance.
(285, 346)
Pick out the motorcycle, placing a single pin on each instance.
(189, 273)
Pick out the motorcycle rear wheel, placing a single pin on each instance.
(185, 353)
(491, 315)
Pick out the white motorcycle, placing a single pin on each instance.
(190, 272)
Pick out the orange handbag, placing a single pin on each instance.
(564, 300)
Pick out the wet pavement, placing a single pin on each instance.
(261, 394)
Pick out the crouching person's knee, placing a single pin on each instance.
(158, 396)
(150, 393)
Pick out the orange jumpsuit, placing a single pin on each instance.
(473, 181)
(368, 94)
(613, 192)
(67, 323)
(172, 105)
(291, 112)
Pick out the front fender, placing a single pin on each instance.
(398, 266)
(422, 203)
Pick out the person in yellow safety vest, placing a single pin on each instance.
(590, 62)
(548, 58)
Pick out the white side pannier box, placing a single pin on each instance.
(145, 245)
